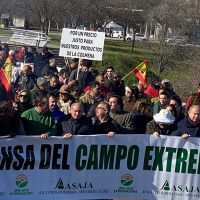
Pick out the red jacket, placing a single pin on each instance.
(152, 92)
(104, 90)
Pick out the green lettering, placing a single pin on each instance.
(81, 151)
(93, 158)
(181, 160)
(147, 158)
(132, 161)
(170, 152)
(107, 157)
(121, 154)
(192, 161)
(158, 159)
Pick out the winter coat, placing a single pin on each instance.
(188, 127)
(81, 126)
(105, 127)
(40, 61)
(152, 127)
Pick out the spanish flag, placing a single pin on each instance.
(140, 72)
(5, 77)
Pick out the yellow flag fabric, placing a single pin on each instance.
(140, 72)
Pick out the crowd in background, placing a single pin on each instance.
(78, 100)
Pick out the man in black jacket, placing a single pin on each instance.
(24, 56)
(41, 60)
(74, 123)
(103, 123)
(51, 67)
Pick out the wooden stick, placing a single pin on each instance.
(78, 70)
(127, 75)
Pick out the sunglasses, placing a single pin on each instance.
(23, 96)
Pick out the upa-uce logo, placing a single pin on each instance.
(21, 181)
(127, 179)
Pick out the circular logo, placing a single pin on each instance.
(127, 179)
(21, 181)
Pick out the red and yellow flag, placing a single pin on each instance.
(5, 77)
(140, 72)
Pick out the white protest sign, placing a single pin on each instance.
(82, 44)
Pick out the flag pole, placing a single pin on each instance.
(127, 75)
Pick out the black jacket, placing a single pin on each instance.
(104, 128)
(9, 126)
(28, 58)
(48, 68)
(81, 126)
(40, 61)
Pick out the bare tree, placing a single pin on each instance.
(165, 16)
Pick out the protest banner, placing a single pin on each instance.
(82, 44)
(98, 167)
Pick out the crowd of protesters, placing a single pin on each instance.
(77, 100)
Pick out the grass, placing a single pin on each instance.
(118, 54)
(6, 32)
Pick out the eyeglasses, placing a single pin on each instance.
(23, 96)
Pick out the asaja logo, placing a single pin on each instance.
(127, 179)
(21, 181)
(179, 188)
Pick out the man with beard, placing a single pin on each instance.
(53, 106)
(26, 80)
(117, 85)
(39, 120)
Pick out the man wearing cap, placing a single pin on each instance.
(41, 60)
(162, 123)
(74, 123)
(39, 89)
(190, 125)
(65, 99)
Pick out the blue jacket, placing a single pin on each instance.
(57, 114)
(187, 126)
(81, 126)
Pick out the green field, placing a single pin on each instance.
(182, 68)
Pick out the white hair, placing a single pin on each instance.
(11, 52)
